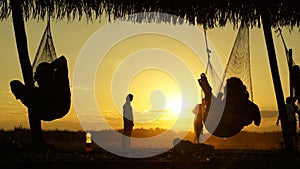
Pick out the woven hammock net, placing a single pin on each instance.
(46, 51)
(294, 72)
(228, 99)
(238, 64)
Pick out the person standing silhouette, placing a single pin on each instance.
(127, 120)
(198, 121)
(291, 110)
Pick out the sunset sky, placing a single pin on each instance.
(153, 88)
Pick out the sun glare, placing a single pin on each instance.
(174, 105)
(155, 73)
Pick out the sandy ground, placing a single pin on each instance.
(53, 157)
(69, 152)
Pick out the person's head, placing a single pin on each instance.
(130, 96)
(288, 100)
(43, 73)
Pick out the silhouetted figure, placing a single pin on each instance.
(49, 100)
(238, 112)
(295, 80)
(198, 121)
(127, 120)
(291, 110)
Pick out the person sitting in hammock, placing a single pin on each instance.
(238, 112)
(51, 99)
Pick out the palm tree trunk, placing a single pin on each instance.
(21, 41)
(276, 80)
(290, 60)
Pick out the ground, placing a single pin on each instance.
(65, 151)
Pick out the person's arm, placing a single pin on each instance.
(196, 109)
(60, 68)
(277, 122)
(298, 114)
(132, 123)
(207, 91)
(60, 64)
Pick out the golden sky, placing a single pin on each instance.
(152, 87)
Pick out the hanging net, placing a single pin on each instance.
(46, 51)
(231, 103)
(238, 64)
(52, 82)
(294, 70)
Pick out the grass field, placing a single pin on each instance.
(66, 149)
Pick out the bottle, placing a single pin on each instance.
(88, 142)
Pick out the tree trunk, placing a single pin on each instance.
(276, 80)
(21, 42)
(290, 55)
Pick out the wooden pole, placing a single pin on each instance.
(21, 42)
(265, 16)
(290, 55)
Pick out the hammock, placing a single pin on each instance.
(239, 110)
(55, 102)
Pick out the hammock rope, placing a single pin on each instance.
(239, 108)
(46, 50)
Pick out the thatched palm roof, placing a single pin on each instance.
(209, 13)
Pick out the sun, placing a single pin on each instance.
(174, 104)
